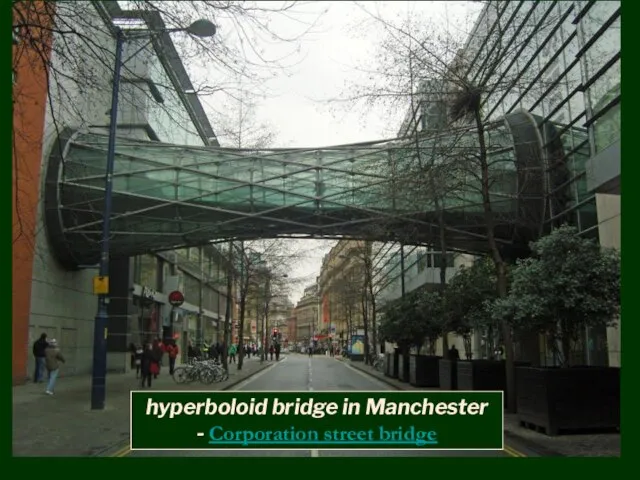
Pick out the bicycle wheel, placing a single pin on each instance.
(180, 375)
(192, 375)
(216, 373)
(207, 377)
(222, 374)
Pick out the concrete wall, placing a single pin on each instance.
(609, 216)
(62, 302)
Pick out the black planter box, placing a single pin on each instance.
(481, 375)
(392, 365)
(423, 371)
(403, 368)
(484, 375)
(387, 364)
(448, 374)
(578, 398)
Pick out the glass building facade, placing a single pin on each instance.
(559, 61)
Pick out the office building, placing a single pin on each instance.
(71, 91)
(559, 62)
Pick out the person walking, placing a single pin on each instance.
(53, 358)
(232, 353)
(148, 360)
(158, 352)
(39, 347)
(213, 352)
(138, 359)
(172, 351)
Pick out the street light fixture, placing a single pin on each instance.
(199, 28)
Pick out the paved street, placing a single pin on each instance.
(298, 372)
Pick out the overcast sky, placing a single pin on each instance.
(295, 103)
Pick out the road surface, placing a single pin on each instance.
(298, 373)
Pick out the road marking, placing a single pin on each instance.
(314, 453)
(513, 452)
(123, 452)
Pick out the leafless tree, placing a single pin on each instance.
(455, 72)
(258, 260)
(347, 295)
(67, 48)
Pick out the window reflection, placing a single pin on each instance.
(148, 266)
(606, 129)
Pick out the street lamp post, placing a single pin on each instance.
(200, 28)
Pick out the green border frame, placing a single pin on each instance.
(325, 467)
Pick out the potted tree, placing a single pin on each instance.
(568, 285)
(470, 296)
(387, 331)
(428, 325)
(402, 325)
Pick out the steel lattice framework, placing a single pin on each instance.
(169, 196)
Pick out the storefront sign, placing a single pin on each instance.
(148, 293)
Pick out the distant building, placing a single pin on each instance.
(306, 313)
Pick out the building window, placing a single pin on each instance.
(588, 215)
(434, 260)
(192, 289)
(422, 261)
(606, 129)
(148, 267)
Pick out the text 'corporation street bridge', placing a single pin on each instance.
(168, 196)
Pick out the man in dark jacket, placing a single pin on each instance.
(213, 352)
(39, 347)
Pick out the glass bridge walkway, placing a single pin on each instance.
(168, 196)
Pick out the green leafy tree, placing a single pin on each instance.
(431, 308)
(569, 283)
(468, 298)
(412, 319)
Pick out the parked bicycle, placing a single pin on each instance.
(204, 371)
(379, 363)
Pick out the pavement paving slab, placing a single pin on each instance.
(64, 424)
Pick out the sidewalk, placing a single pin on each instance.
(64, 424)
(593, 445)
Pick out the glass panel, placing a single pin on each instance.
(606, 89)
(588, 215)
(148, 269)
